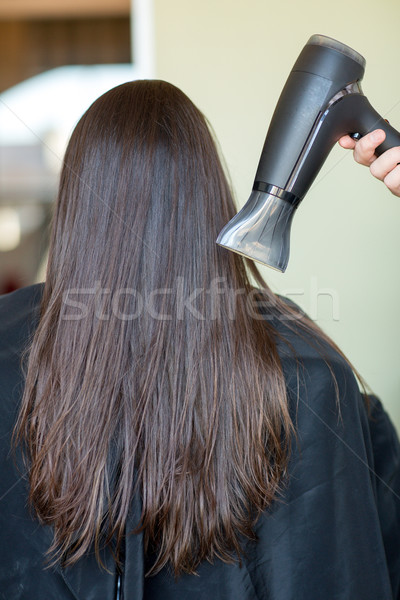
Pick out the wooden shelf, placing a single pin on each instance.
(42, 9)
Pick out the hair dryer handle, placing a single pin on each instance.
(353, 113)
(370, 119)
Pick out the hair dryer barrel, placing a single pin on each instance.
(321, 101)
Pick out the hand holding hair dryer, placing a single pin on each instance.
(321, 101)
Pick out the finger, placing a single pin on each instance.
(364, 151)
(385, 164)
(347, 142)
(392, 181)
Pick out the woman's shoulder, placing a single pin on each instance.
(19, 311)
(299, 341)
(22, 298)
(322, 385)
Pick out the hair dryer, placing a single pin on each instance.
(321, 101)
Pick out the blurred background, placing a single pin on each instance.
(232, 58)
(55, 59)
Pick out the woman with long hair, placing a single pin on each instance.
(178, 430)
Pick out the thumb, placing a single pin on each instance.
(347, 142)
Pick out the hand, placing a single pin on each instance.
(385, 167)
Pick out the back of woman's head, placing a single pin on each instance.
(147, 373)
(142, 192)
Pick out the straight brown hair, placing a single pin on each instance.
(141, 377)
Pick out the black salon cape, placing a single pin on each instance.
(334, 534)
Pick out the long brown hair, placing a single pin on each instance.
(143, 374)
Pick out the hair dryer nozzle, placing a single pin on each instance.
(261, 230)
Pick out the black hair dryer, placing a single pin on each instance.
(321, 101)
